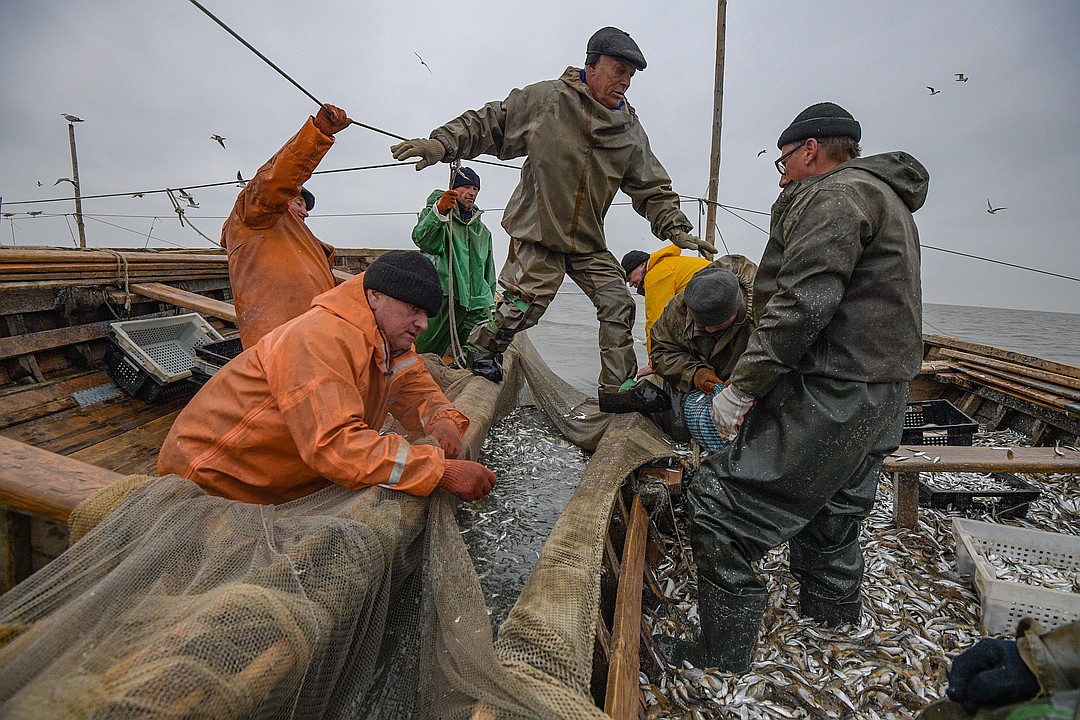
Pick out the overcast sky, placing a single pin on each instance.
(153, 80)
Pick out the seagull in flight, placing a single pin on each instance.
(70, 118)
(32, 213)
(240, 181)
(39, 184)
(220, 140)
(991, 209)
(60, 180)
(761, 152)
(137, 194)
(961, 77)
(421, 61)
(932, 90)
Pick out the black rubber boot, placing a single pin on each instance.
(831, 612)
(729, 631)
(485, 364)
(729, 626)
(645, 397)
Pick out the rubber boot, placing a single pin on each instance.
(485, 364)
(645, 397)
(729, 630)
(831, 612)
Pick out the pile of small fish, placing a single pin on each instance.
(1048, 576)
(918, 614)
(537, 471)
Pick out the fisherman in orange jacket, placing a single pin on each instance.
(276, 265)
(303, 408)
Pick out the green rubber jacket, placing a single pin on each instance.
(580, 154)
(474, 264)
(838, 292)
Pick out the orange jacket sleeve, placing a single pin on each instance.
(419, 401)
(330, 404)
(277, 182)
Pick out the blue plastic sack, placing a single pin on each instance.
(698, 419)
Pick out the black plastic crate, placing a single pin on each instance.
(937, 422)
(220, 352)
(137, 382)
(1004, 503)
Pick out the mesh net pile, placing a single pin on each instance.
(339, 605)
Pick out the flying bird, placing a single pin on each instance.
(421, 61)
(8, 214)
(961, 77)
(39, 184)
(190, 200)
(932, 90)
(991, 209)
(32, 213)
(221, 140)
(70, 118)
(137, 194)
(60, 180)
(761, 152)
(240, 181)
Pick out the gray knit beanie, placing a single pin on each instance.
(821, 120)
(713, 296)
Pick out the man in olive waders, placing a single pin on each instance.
(818, 399)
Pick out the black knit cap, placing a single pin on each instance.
(616, 43)
(466, 176)
(713, 295)
(821, 120)
(408, 276)
(309, 198)
(632, 259)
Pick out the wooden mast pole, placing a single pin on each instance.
(718, 112)
(78, 192)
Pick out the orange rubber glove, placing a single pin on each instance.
(467, 480)
(446, 202)
(706, 380)
(446, 432)
(330, 120)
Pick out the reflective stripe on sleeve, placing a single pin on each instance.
(399, 465)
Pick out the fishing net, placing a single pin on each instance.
(338, 605)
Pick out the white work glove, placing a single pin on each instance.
(429, 151)
(691, 242)
(729, 407)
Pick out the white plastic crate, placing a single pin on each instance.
(163, 347)
(1005, 603)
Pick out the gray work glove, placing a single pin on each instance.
(429, 151)
(729, 407)
(691, 242)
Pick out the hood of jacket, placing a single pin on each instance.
(899, 170)
(349, 302)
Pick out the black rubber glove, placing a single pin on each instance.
(990, 674)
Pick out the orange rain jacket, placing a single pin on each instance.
(303, 408)
(276, 265)
(666, 275)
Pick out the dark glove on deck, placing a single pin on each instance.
(990, 674)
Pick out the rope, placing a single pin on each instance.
(456, 351)
(122, 279)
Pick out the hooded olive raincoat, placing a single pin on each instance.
(276, 265)
(580, 154)
(837, 308)
(680, 347)
(303, 409)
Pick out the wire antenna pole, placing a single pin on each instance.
(78, 190)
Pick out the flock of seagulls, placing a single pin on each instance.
(960, 77)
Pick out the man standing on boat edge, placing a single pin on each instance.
(818, 399)
(583, 142)
(452, 234)
(304, 408)
(276, 264)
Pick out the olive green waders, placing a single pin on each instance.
(531, 278)
(803, 469)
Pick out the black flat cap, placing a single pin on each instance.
(616, 43)
(632, 259)
(821, 120)
(309, 198)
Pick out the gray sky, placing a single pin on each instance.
(153, 80)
